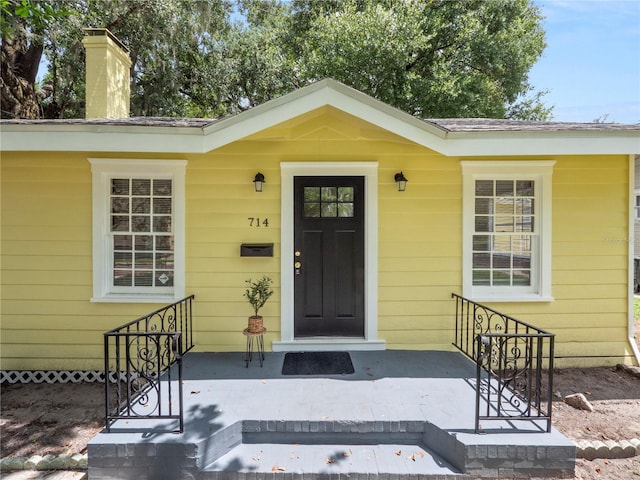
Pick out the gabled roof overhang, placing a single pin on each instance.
(201, 136)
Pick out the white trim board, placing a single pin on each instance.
(287, 342)
(203, 138)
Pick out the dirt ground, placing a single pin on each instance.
(62, 418)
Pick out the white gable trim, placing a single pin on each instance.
(42, 136)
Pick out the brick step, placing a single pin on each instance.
(333, 432)
(296, 461)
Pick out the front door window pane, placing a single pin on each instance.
(329, 202)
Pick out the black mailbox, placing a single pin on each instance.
(256, 250)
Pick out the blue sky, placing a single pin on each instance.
(591, 66)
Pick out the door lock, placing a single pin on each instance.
(297, 268)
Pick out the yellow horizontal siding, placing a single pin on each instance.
(49, 322)
(589, 354)
(92, 326)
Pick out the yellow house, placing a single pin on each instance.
(106, 219)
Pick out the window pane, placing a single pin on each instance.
(524, 188)
(141, 205)
(119, 223)
(311, 210)
(345, 194)
(481, 243)
(122, 278)
(144, 261)
(122, 260)
(504, 224)
(162, 187)
(144, 242)
(481, 277)
(504, 188)
(521, 261)
(524, 224)
(521, 243)
(504, 206)
(501, 277)
(164, 260)
(522, 277)
(143, 279)
(483, 224)
(122, 242)
(120, 205)
(161, 205)
(525, 206)
(120, 186)
(484, 188)
(140, 187)
(501, 260)
(329, 194)
(329, 209)
(162, 224)
(164, 243)
(311, 194)
(345, 209)
(484, 205)
(481, 260)
(141, 224)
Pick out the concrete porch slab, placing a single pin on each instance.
(422, 399)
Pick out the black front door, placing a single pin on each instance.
(329, 256)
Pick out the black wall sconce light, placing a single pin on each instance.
(401, 181)
(258, 182)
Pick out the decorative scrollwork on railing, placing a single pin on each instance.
(513, 360)
(145, 352)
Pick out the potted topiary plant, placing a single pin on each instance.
(257, 293)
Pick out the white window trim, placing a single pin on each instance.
(541, 171)
(103, 169)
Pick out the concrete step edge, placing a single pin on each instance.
(247, 460)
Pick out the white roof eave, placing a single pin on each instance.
(511, 143)
(201, 139)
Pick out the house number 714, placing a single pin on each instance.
(255, 222)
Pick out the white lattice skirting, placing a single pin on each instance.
(57, 376)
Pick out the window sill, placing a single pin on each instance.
(134, 298)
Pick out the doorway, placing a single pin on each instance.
(368, 339)
(329, 256)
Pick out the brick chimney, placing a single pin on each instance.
(107, 76)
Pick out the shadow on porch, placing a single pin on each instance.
(400, 414)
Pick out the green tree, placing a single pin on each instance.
(436, 58)
(23, 24)
(431, 58)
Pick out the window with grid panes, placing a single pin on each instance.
(504, 234)
(141, 230)
(138, 209)
(507, 230)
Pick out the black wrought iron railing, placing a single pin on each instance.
(143, 365)
(514, 363)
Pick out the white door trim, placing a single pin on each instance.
(368, 170)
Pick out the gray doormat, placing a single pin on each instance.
(317, 363)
